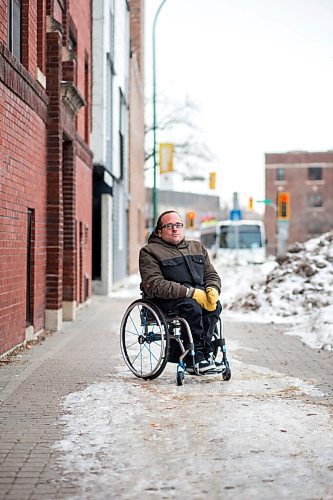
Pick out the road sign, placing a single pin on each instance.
(235, 214)
(166, 158)
(212, 180)
(266, 201)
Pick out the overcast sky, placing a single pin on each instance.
(261, 72)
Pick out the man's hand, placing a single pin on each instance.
(201, 298)
(212, 295)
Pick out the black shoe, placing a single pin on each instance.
(201, 367)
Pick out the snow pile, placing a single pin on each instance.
(300, 286)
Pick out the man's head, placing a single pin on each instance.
(170, 228)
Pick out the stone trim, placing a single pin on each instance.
(71, 97)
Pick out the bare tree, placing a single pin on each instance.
(179, 122)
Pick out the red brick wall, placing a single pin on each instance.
(29, 35)
(68, 261)
(38, 174)
(84, 219)
(80, 12)
(23, 186)
(3, 22)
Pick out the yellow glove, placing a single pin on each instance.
(212, 295)
(200, 296)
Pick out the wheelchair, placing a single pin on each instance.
(149, 339)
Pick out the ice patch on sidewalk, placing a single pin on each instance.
(115, 430)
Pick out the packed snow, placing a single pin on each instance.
(130, 438)
(296, 289)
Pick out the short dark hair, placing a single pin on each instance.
(159, 220)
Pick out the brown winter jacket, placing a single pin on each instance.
(167, 270)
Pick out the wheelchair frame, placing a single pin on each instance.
(146, 334)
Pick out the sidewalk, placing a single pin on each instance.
(87, 351)
(32, 388)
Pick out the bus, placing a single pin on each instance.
(236, 240)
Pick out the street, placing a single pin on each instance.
(75, 423)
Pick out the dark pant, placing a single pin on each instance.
(201, 321)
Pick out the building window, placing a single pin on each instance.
(14, 23)
(315, 173)
(122, 134)
(41, 34)
(315, 200)
(30, 266)
(280, 174)
(72, 48)
(110, 81)
(111, 35)
(87, 99)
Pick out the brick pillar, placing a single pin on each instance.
(70, 253)
(54, 270)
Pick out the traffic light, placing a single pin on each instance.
(190, 220)
(283, 206)
(212, 180)
(250, 203)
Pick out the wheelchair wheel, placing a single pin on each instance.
(144, 339)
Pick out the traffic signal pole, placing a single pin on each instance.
(282, 211)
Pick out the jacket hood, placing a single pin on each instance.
(154, 238)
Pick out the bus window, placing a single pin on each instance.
(240, 236)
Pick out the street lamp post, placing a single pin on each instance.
(154, 115)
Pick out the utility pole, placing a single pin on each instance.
(154, 115)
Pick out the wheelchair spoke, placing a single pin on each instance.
(150, 351)
(140, 352)
(134, 325)
(131, 345)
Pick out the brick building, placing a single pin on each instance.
(46, 178)
(136, 212)
(308, 177)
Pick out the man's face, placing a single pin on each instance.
(174, 235)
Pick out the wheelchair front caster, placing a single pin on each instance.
(180, 378)
(226, 375)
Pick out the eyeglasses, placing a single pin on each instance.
(178, 225)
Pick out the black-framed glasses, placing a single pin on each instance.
(177, 225)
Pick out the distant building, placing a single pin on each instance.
(136, 209)
(200, 207)
(111, 54)
(308, 177)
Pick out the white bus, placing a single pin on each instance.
(242, 240)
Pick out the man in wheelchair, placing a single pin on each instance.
(178, 275)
